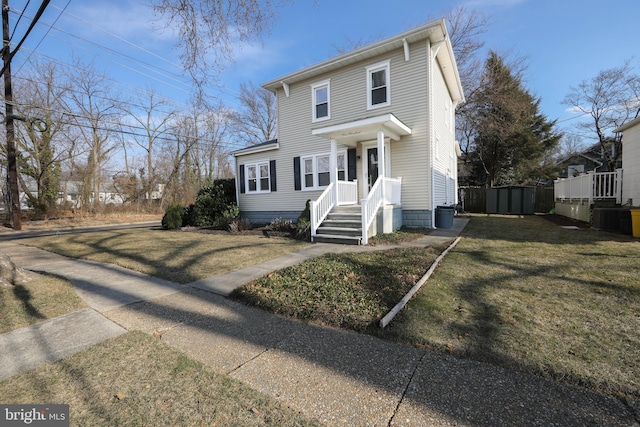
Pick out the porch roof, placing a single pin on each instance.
(364, 129)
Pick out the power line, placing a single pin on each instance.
(45, 35)
(11, 54)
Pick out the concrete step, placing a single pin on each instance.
(337, 239)
(340, 231)
(344, 223)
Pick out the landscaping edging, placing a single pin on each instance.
(400, 305)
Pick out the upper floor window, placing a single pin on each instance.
(320, 94)
(378, 88)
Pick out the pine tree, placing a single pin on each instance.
(511, 135)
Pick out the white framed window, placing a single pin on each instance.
(378, 85)
(257, 177)
(321, 94)
(316, 170)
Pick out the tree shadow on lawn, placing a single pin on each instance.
(165, 267)
(482, 335)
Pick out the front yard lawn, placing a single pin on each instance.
(519, 292)
(180, 257)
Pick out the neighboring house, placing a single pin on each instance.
(591, 159)
(373, 129)
(578, 195)
(631, 162)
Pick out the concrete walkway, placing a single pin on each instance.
(337, 377)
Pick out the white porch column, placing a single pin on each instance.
(381, 161)
(333, 168)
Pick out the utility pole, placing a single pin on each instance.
(12, 168)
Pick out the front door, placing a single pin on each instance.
(372, 166)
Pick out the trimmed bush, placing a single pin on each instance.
(173, 217)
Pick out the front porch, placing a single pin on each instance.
(338, 214)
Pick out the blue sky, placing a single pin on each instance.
(564, 41)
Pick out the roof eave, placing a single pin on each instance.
(383, 46)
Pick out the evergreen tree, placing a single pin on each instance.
(511, 135)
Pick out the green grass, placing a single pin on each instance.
(41, 298)
(136, 380)
(519, 292)
(180, 257)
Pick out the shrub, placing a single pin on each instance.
(303, 224)
(240, 224)
(283, 225)
(173, 217)
(215, 205)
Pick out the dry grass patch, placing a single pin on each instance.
(172, 255)
(135, 380)
(41, 298)
(526, 294)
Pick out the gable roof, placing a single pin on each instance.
(628, 125)
(435, 31)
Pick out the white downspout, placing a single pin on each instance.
(431, 131)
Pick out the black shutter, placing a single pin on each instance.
(242, 189)
(351, 164)
(272, 175)
(297, 179)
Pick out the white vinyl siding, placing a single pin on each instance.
(631, 163)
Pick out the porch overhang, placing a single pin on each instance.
(365, 129)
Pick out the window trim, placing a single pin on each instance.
(314, 159)
(314, 104)
(386, 66)
(257, 164)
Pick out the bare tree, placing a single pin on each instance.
(255, 121)
(96, 108)
(155, 123)
(208, 30)
(610, 99)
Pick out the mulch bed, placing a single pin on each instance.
(564, 221)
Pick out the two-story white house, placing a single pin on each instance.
(368, 137)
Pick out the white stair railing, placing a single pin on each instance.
(370, 207)
(347, 193)
(320, 208)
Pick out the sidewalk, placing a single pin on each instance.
(337, 377)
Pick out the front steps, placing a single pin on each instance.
(343, 226)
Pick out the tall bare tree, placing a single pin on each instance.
(96, 108)
(255, 120)
(155, 123)
(610, 99)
